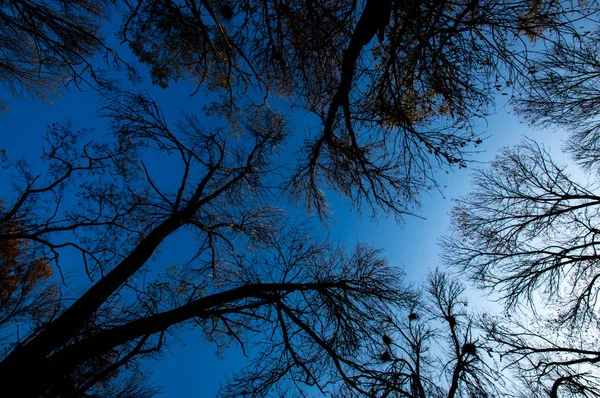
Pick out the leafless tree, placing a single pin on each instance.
(546, 358)
(247, 274)
(528, 225)
(563, 92)
(397, 89)
(529, 232)
(433, 348)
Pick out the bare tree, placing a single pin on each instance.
(397, 89)
(563, 92)
(529, 225)
(432, 348)
(529, 232)
(29, 301)
(246, 275)
(546, 358)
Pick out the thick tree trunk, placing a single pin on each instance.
(48, 371)
(25, 359)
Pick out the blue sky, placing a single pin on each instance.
(193, 369)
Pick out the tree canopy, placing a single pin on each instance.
(395, 89)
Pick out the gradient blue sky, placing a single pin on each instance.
(193, 369)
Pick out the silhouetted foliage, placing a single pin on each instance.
(46, 44)
(26, 296)
(397, 88)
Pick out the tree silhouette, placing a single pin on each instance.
(47, 44)
(529, 233)
(25, 294)
(536, 227)
(564, 93)
(396, 89)
(433, 348)
(247, 273)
